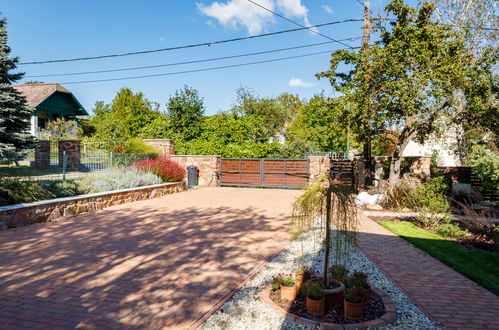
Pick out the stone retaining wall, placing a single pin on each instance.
(25, 214)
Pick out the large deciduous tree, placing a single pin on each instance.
(406, 80)
(15, 115)
(185, 113)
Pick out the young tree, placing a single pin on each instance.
(15, 115)
(185, 114)
(406, 80)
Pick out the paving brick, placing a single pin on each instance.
(445, 295)
(113, 268)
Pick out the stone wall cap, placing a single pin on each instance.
(78, 197)
(194, 156)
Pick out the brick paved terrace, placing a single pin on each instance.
(160, 263)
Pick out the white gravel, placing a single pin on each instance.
(245, 310)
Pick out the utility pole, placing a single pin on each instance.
(368, 168)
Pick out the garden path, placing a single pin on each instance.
(443, 294)
(159, 263)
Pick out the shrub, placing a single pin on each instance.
(13, 191)
(61, 188)
(167, 170)
(338, 272)
(429, 197)
(355, 294)
(485, 165)
(430, 220)
(137, 146)
(287, 280)
(450, 229)
(119, 179)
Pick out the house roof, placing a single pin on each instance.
(38, 93)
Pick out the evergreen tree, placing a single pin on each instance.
(15, 114)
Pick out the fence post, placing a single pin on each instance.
(64, 165)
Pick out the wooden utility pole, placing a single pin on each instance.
(368, 165)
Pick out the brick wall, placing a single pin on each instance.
(319, 165)
(209, 167)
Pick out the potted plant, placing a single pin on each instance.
(302, 275)
(359, 280)
(325, 205)
(276, 283)
(315, 297)
(353, 305)
(338, 273)
(288, 287)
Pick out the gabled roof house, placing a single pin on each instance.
(51, 101)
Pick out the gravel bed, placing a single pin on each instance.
(245, 310)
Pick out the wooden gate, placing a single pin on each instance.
(342, 172)
(268, 173)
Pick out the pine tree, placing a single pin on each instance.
(15, 114)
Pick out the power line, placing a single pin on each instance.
(199, 70)
(185, 62)
(189, 46)
(296, 23)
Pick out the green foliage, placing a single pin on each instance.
(13, 191)
(478, 265)
(430, 196)
(313, 290)
(185, 113)
(128, 116)
(485, 165)
(287, 280)
(276, 282)
(15, 114)
(138, 146)
(406, 80)
(450, 229)
(118, 179)
(59, 188)
(339, 272)
(63, 129)
(320, 123)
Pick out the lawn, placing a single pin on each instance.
(478, 265)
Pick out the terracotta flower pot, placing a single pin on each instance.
(316, 307)
(353, 311)
(288, 292)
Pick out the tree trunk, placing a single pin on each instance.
(403, 140)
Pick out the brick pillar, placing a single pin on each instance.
(72, 148)
(319, 165)
(165, 147)
(421, 166)
(42, 154)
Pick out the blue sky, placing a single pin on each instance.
(46, 30)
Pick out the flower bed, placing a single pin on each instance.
(246, 310)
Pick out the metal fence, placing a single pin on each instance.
(70, 165)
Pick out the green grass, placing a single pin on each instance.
(478, 265)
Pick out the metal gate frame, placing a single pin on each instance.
(262, 173)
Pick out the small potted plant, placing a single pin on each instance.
(288, 287)
(302, 275)
(359, 280)
(339, 273)
(353, 305)
(276, 283)
(315, 297)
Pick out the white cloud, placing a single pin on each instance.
(297, 82)
(162, 39)
(242, 13)
(328, 9)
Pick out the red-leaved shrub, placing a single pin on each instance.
(167, 170)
